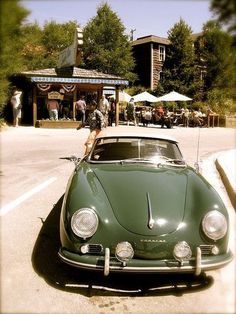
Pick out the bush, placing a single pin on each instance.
(220, 102)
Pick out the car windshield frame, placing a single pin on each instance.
(130, 149)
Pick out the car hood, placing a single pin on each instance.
(138, 193)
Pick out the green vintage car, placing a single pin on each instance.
(133, 205)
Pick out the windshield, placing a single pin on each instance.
(129, 148)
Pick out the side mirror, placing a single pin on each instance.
(72, 158)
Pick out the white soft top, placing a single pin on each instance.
(130, 131)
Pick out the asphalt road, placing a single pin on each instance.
(33, 280)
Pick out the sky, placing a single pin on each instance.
(146, 17)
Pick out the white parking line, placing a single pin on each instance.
(5, 209)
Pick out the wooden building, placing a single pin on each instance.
(70, 83)
(149, 53)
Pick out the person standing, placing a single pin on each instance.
(131, 114)
(16, 107)
(81, 109)
(104, 107)
(112, 112)
(53, 107)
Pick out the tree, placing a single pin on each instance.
(226, 12)
(57, 37)
(106, 47)
(11, 19)
(179, 68)
(42, 46)
(33, 51)
(219, 58)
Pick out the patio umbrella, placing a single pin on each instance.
(123, 96)
(145, 96)
(173, 96)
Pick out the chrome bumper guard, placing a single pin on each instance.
(107, 267)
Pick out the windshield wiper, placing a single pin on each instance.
(136, 160)
(172, 161)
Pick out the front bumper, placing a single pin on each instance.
(109, 264)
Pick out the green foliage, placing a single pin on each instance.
(33, 50)
(134, 90)
(221, 102)
(106, 47)
(219, 57)
(226, 13)
(42, 46)
(179, 68)
(12, 14)
(57, 37)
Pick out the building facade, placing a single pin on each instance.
(70, 83)
(149, 53)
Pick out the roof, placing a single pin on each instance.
(151, 39)
(130, 131)
(73, 75)
(157, 39)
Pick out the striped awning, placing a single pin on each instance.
(79, 80)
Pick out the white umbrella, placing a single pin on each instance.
(123, 96)
(173, 96)
(145, 96)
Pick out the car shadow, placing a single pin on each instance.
(47, 264)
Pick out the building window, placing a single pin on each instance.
(162, 53)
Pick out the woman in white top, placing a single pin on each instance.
(16, 107)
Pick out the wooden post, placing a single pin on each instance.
(117, 105)
(34, 106)
(74, 101)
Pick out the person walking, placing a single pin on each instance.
(16, 107)
(96, 123)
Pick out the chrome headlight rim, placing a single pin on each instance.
(84, 222)
(208, 226)
(182, 251)
(124, 251)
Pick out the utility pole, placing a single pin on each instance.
(132, 34)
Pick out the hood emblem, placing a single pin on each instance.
(150, 218)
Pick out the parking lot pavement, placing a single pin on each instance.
(226, 165)
(225, 161)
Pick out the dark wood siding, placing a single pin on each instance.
(142, 56)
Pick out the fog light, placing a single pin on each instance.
(84, 249)
(124, 251)
(215, 250)
(182, 251)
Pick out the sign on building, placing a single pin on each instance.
(55, 95)
(72, 55)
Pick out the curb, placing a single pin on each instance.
(226, 181)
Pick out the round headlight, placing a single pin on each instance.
(214, 225)
(84, 222)
(124, 251)
(182, 251)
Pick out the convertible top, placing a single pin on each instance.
(128, 131)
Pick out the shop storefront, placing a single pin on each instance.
(68, 84)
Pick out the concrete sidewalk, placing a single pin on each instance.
(226, 165)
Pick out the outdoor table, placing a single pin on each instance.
(211, 119)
